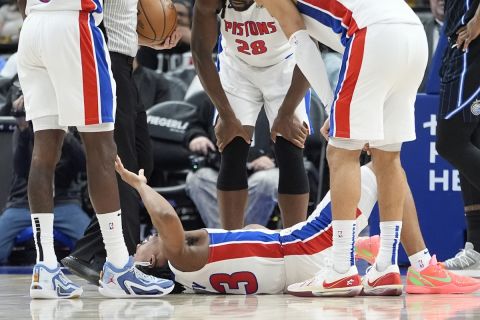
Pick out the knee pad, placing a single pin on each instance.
(233, 168)
(293, 177)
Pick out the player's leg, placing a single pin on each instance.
(41, 107)
(293, 188)
(456, 135)
(315, 237)
(404, 64)
(354, 117)
(86, 99)
(232, 185)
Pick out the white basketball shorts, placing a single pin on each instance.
(383, 66)
(64, 70)
(249, 88)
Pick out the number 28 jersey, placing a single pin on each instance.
(254, 36)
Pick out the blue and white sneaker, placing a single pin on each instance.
(52, 284)
(130, 282)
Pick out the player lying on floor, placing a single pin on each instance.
(254, 260)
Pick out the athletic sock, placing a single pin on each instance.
(112, 232)
(343, 244)
(42, 224)
(473, 228)
(389, 240)
(420, 260)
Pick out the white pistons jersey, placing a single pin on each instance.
(345, 17)
(266, 262)
(254, 36)
(93, 6)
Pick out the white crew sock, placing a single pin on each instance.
(343, 241)
(42, 224)
(390, 232)
(112, 232)
(420, 260)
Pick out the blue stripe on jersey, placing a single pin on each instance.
(341, 78)
(99, 6)
(312, 227)
(105, 83)
(308, 99)
(219, 50)
(242, 236)
(324, 18)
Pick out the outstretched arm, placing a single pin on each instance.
(166, 221)
(164, 217)
(307, 54)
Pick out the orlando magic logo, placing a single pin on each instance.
(475, 108)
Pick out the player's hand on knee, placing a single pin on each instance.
(227, 129)
(325, 129)
(201, 145)
(134, 180)
(290, 128)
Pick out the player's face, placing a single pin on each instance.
(151, 250)
(241, 5)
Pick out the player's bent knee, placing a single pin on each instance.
(233, 171)
(293, 177)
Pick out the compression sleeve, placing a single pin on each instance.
(310, 62)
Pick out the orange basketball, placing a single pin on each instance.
(156, 20)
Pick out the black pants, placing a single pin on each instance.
(130, 120)
(458, 141)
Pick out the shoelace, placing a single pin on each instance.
(461, 259)
(142, 275)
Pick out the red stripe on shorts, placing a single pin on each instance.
(89, 71)
(88, 5)
(345, 96)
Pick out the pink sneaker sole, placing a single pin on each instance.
(447, 289)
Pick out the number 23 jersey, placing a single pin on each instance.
(254, 36)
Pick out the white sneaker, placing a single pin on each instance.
(52, 284)
(130, 282)
(465, 263)
(328, 282)
(385, 283)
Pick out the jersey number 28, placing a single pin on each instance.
(255, 48)
(221, 281)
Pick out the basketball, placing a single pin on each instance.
(156, 20)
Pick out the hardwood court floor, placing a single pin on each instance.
(16, 304)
